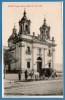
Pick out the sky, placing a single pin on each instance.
(36, 12)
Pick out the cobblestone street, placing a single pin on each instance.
(33, 88)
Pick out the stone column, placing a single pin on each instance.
(44, 56)
(15, 55)
(20, 45)
(32, 56)
(53, 57)
(53, 52)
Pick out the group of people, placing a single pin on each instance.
(36, 75)
(27, 73)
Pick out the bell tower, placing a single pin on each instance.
(45, 31)
(24, 25)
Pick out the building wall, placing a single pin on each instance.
(23, 57)
(32, 57)
(26, 57)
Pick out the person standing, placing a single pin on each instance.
(26, 75)
(19, 75)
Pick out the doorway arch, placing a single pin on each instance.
(39, 64)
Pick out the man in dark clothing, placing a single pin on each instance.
(26, 75)
(19, 75)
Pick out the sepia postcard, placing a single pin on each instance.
(32, 36)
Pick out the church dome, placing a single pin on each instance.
(14, 35)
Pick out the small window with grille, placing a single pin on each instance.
(49, 65)
(28, 49)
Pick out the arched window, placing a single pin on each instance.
(42, 31)
(39, 58)
(26, 27)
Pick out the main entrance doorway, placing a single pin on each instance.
(39, 64)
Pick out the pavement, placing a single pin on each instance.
(33, 88)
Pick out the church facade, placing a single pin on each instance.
(32, 52)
